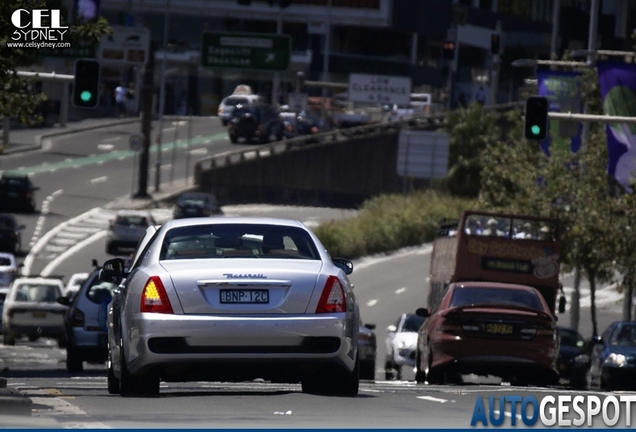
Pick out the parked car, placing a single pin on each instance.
(85, 322)
(302, 124)
(613, 358)
(509, 325)
(573, 357)
(9, 269)
(367, 348)
(126, 229)
(256, 122)
(230, 103)
(196, 296)
(17, 193)
(31, 309)
(3, 295)
(401, 341)
(196, 204)
(74, 283)
(10, 234)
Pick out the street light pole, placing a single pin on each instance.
(162, 97)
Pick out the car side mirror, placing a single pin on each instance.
(562, 304)
(423, 312)
(370, 326)
(392, 328)
(344, 264)
(112, 271)
(64, 301)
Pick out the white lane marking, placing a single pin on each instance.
(433, 399)
(105, 147)
(400, 290)
(44, 211)
(117, 138)
(64, 255)
(200, 151)
(43, 241)
(99, 179)
(372, 302)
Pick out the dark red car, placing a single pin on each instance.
(488, 328)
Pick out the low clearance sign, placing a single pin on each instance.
(380, 89)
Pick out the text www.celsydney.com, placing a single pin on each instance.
(38, 45)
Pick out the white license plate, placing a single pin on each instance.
(38, 314)
(244, 296)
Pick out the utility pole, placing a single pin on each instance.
(162, 96)
(146, 125)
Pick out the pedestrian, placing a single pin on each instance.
(130, 99)
(120, 99)
(480, 96)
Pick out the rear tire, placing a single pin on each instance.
(333, 382)
(233, 139)
(74, 363)
(7, 338)
(136, 385)
(420, 375)
(113, 381)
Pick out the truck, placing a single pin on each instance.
(485, 315)
(497, 247)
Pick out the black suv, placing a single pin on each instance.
(259, 121)
(17, 193)
(10, 234)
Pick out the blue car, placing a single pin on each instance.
(613, 358)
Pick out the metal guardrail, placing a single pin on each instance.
(434, 120)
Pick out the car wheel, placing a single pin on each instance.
(331, 382)
(233, 139)
(224, 122)
(111, 249)
(8, 338)
(136, 385)
(367, 370)
(113, 382)
(435, 375)
(74, 362)
(389, 371)
(420, 375)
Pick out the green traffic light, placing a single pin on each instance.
(86, 96)
(536, 130)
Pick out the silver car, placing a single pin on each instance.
(126, 229)
(232, 299)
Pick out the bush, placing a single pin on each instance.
(389, 222)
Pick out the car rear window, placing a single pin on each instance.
(37, 293)
(6, 222)
(132, 220)
(5, 261)
(466, 296)
(238, 240)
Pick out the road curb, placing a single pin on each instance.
(12, 402)
(38, 138)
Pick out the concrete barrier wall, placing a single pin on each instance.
(340, 174)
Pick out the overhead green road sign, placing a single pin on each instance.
(259, 51)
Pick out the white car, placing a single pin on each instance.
(232, 299)
(126, 229)
(401, 344)
(31, 309)
(75, 283)
(227, 105)
(8, 268)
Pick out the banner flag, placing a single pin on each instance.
(618, 93)
(563, 91)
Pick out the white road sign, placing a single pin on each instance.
(422, 154)
(127, 45)
(379, 89)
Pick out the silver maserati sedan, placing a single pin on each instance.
(232, 299)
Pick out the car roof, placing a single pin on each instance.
(133, 213)
(233, 220)
(47, 280)
(496, 285)
(7, 255)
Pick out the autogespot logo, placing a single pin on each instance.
(561, 410)
(38, 26)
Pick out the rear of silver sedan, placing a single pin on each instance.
(207, 319)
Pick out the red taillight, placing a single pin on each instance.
(154, 297)
(77, 319)
(314, 129)
(332, 298)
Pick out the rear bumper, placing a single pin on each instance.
(271, 346)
